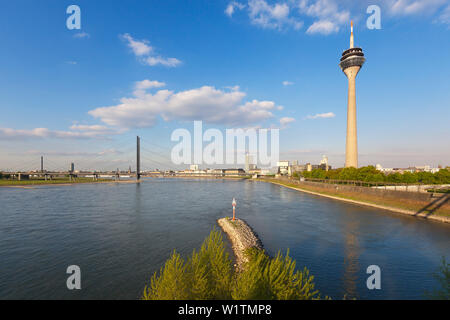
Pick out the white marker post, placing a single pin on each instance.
(234, 208)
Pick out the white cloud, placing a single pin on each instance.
(71, 62)
(140, 48)
(285, 121)
(272, 16)
(146, 84)
(233, 88)
(205, 103)
(411, 7)
(141, 86)
(146, 54)
(93, 128)
(8, 133)
(322, 116)
(229, 10)
(232, 6)
(444, 17)
(329, 16)
(111, 151)
(82, 35)
(289, 14)
(323, 27)
(168, 62)
(287, 83)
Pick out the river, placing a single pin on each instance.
(120, 234)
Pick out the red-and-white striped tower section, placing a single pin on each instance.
(234, 208)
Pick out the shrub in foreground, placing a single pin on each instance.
(209, 274)
(443, 278)
(266, 278)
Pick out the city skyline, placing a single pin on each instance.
(75, 95)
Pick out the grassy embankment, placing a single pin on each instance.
(418, 208)
(31, 182)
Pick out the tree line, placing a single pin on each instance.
(371, 174)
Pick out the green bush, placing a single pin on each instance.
(209, 274)
(442, 176)
(206, 275)
(371, 174)
(266, 278)
(443, 278)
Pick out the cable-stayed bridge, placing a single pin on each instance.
(152, 155)
(134, 157)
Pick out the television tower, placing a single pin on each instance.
(351, 62)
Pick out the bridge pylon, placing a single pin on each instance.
(138, 158)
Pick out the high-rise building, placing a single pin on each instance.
(324, 163)
(249, 165)
(351, 62)
(283, 167)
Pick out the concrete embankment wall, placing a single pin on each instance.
(425, 205)
(415, 188)
(378, 192)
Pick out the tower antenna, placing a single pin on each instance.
(352, 44)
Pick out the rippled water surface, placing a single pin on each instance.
(119, 234)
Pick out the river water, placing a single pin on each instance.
(120, 234)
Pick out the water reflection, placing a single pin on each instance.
(351, 259)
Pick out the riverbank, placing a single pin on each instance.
(441, 214)
(242, 238)
(56, 182)
(207, 177)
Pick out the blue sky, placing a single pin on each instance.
(148, 67)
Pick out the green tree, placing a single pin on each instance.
(442, 176)
(348, 174)
(377, 177)
(409, 177)
(266, 278)
(425, 177)
(211, 269)
(206, 275)
(443, 278)
(371, 174)
(209, 274)
(394, 177)
(364, 173)
(173, 282)
(318, 174)
(307, 174)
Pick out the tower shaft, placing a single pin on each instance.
(351, 148)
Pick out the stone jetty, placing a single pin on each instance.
(242, 237)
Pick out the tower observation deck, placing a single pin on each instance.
(352, 57)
